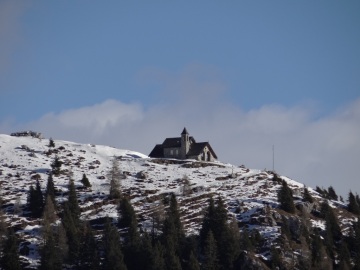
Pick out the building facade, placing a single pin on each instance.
(184, 147)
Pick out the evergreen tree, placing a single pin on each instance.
(307, 196)
(56, 166)
(208, 221)
(193, 262)
(210, 253)
(39, 200)
(73, 202)
(10, 255)
(245, 242)
(132, 248)
(332, 228)
(173, 235)
(115, 177)
(353, 205)
(71, 222)
(50, 189)
(158, 261)
(51, 143)
(85, 181)
(332, 194)
(275, 258)
(54, 250)
(49, 215)
(35, 201)
(89, 257)
(50, 259)
(285, 198)
(113, 256)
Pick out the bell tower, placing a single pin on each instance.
(185, 143)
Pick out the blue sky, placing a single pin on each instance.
(242, 74)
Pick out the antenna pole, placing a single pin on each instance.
(273, 148)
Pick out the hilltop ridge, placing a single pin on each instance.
(250, 195)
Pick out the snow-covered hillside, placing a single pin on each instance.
(249, 195)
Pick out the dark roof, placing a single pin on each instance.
(157, 152)
(197, 148)
(184, 131)
(172, 142)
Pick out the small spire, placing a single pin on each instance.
(184, 131)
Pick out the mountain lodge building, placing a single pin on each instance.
(184, 147)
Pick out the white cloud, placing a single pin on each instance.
(316, 151)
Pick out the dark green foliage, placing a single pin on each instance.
(85, 181)
(344, 256)
(50, 189)
(322, 192)
(285, 198)
(193, 263)
(115, 176)
(245, 242)
(35, 201)
(332, 194)
(275, 258)
(73, 235)
(56, 166)
(72, 202)
(132, 243)
(10, 255)
(210, 253)
(173, 235)
(50, 257)
(128, 220)
(353, 205)
(227, 239)
(332, 228)
(89, 256)
(113, 256)
(158, 261)
(51, 143)
(71, 223)
(307, 196)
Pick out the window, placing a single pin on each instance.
(177, 152)
(171, 152)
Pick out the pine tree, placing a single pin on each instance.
(245, 242)
(49, 215)
(51, 143)
(10, 255)
(89, 256)
(285, 198)
(193, 262)
(132, 243)
(115, 177)
(208, 221)
(85, 181)
(54, 250)
(35, 201)
(73, 202)
(56, 166)
(71, 222)
(332, 194)
(210, 253)
(113, 256)
(50, 189)
(39, 200)
(173, 234)
(353, 205)
(50, 258)
(307, 196)
(158, 261)
(332, 228)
